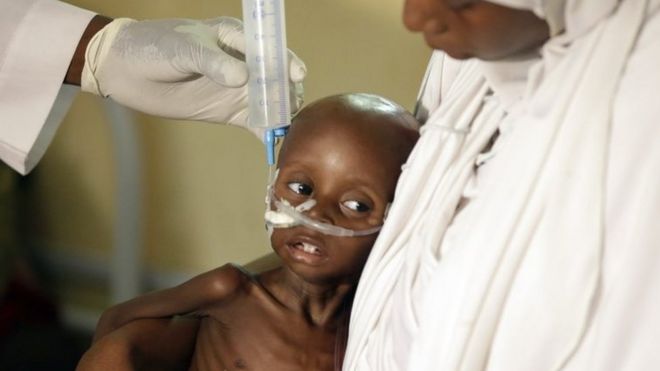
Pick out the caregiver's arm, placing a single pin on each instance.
(148, 344)
(74, 72)
(175, 68)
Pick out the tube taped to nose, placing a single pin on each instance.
(287, 216)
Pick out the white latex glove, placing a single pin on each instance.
(177, 68)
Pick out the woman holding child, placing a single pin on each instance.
(524, 232)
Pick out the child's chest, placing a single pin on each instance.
(248, 336)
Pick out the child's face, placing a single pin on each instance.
(474, 28)
(351, 176)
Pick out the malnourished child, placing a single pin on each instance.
(337, 172)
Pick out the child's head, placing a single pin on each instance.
(345, 152)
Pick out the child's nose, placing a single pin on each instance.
(323, 212)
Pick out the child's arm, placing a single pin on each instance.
(192, 295)
(147, 344)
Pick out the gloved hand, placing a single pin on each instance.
(177, 68)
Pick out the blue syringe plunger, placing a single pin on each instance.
(270, 139)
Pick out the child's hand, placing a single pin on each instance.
(110, 353)
(145, 344)
(110, 320)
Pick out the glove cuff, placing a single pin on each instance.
(96, 52)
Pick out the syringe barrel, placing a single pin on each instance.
(267, 61)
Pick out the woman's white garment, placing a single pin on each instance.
(37, 40)
(547, 256)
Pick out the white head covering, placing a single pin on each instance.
(526, 278)
(573, 16)
(551, 11)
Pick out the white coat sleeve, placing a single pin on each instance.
(37, 40)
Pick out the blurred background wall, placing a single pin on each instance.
(202, 185)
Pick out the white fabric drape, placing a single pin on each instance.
(37, 41)
(526, 276)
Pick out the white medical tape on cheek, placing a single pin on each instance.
(286, 216)
(296, 218)
(306, 206)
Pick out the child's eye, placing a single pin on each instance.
(356, 206)
(300, 188)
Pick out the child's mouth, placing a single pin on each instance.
(308, 248)
(306, 252)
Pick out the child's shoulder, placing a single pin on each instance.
(223, 282)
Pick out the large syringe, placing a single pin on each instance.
(266, 57)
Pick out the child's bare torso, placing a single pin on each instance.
(251, 330)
